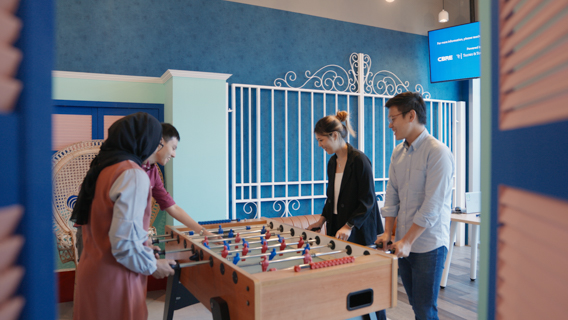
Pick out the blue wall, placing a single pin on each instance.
(255, 44)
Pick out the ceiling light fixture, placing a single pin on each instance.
(443, 16)
(390, 0)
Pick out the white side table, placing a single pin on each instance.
(467, 218)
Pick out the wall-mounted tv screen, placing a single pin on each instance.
(455, 53)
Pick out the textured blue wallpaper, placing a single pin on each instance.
(256, 45)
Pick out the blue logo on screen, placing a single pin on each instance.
(455, 53)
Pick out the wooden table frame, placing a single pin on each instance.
(469, 218)
(287, 294)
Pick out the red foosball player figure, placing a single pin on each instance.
(264, 248)
(300, 243)
(307, 258)
(264, 264)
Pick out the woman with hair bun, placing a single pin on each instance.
(351, 209)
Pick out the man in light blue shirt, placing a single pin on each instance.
(418, 195)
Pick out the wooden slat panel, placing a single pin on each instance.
(545, 15)
(543, 64)
(532, 256)
(10, 58)
(507, 8)
(549, 234)
(509, 272)
(108, 121)
(520, 309)
(550, 209)
(518, 17)
(510, 235)
(9, 5)
(70, 128)
(10, 274)
(10, 27)
(539, 112)
(544, 88)
(9, 92)
(536, 46)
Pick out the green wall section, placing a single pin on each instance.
(199, 173)
(196, 178)
(107, 91)
(486, 94)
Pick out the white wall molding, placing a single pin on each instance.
(117, 77)
(104, 76)
(194, 74)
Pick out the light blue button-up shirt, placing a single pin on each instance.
(127, 235)
(420, 191)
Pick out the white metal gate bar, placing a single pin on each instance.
(248, 190)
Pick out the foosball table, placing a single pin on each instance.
(264, 269)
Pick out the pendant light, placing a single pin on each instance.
(443, 16)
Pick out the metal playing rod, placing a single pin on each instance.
(188, 264)
(280, 252)
(273, 246)
(248, 237)
(155, 241)
(251, 242)
(313, 255)
(163, 252)
(237, 228)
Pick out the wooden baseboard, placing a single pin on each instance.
(66, 283)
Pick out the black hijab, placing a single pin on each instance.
(134, 137)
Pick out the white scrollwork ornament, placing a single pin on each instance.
(295, 204)
(335, 78)
(250, 209)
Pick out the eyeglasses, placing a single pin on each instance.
(391, 118)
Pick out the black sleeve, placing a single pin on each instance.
(363, 174)
(328, 207)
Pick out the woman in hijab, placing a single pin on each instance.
(114, 207)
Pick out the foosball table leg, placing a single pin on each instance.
(219, 309)
(177, 296)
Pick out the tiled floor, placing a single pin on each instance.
(457, 301)
(155, 302)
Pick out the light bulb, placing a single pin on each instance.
(443, 16)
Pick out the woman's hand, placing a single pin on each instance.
(164, 268)
(156, 248)
(316, 226)
(343, 233)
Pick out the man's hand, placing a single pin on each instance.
(164, 268)
(343, 233)
(382, 241)
(401, 248)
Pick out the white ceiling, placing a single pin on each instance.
(412, 16)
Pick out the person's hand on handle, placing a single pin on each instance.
(343, 233)
(401, 248)
(164, 268)
(316, 226)
(156, 249)
(382, 241)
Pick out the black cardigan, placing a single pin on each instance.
(357, 201)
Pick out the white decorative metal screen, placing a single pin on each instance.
(277, 168)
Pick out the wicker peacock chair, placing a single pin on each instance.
(70, 166)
